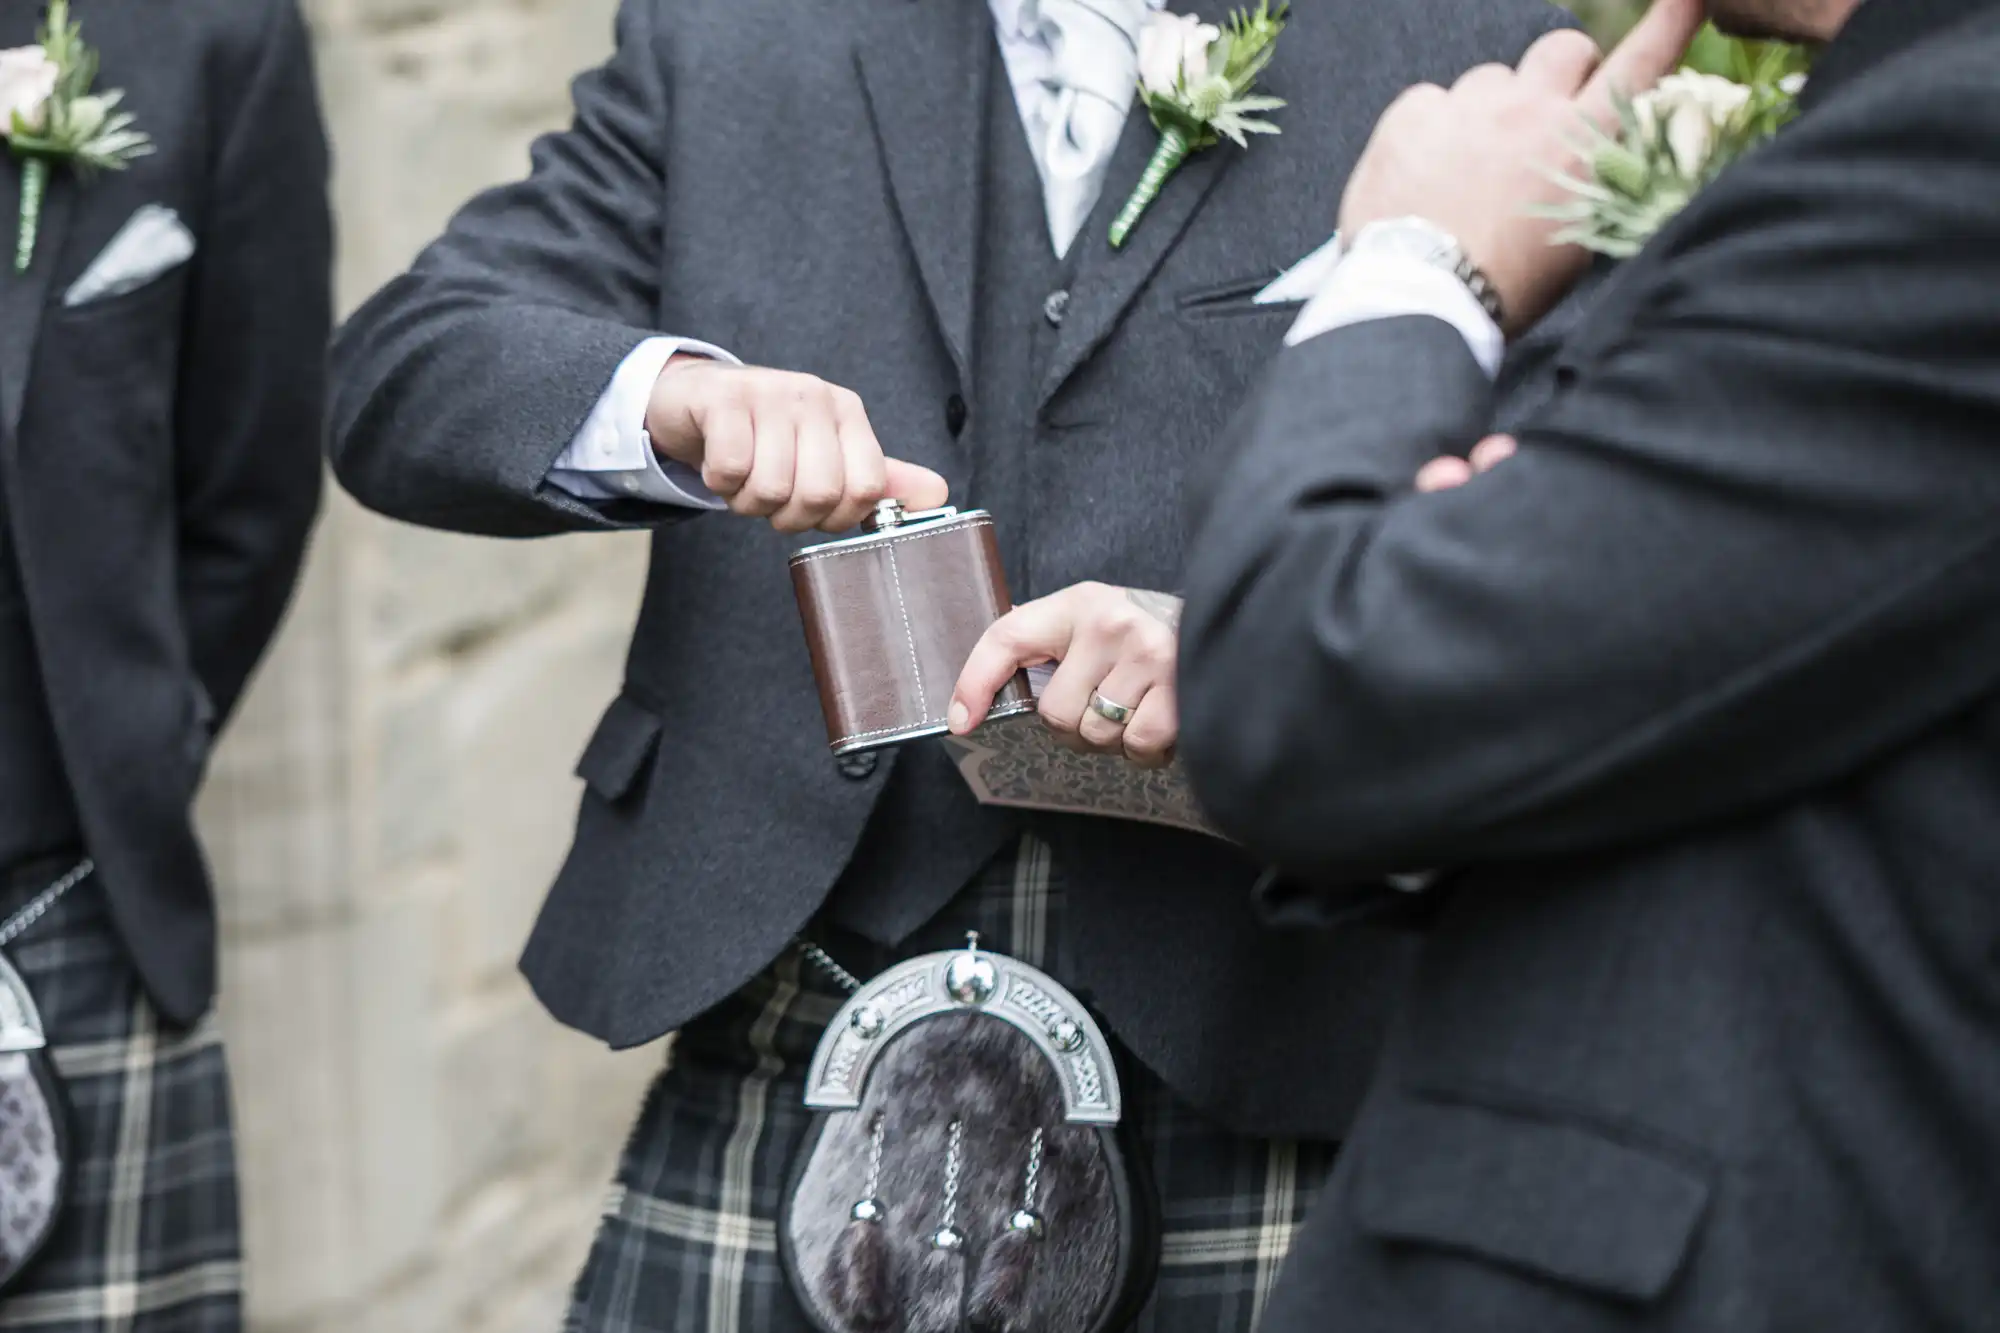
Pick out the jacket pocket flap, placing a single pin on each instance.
(1554, 1199)
(1236, 297)
(620, 748)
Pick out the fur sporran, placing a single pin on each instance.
(967, 1171)
(34, 1131)
(34, 1113)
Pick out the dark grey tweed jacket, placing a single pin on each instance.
(802, 185)
(1702, 692)
(157, 447)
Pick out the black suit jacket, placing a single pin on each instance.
(1701, 694)
(161, 447)
(815, 205)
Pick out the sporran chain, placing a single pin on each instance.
(954, 1155)
(876, 1131)
(823, 960)
(38, 906)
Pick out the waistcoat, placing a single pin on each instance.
(927, 837)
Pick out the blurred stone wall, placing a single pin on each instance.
(424, 1148)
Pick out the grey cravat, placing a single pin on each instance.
(1074, 128)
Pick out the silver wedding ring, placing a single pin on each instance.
(1109, 711)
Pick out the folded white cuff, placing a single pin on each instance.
(612, 457)
(1370, 286)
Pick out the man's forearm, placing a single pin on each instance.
(1339, 422)
(452, 416)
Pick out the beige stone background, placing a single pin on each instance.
(424, 1150)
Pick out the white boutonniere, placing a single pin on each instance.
(48, 114)
(1670, 143)
(1196, 80)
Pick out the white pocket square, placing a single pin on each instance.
(152, 242)
(1302, 281)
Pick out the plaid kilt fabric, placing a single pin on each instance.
(688, 1240)
(149, 1239)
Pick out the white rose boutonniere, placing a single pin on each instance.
(1172, 48)
(1196, 80)
(48, 114)
(27, 82)
(1670, 143)
(1691, 110)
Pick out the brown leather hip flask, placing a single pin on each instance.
(891, 616)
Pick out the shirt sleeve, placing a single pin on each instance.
(1366, 286)
(612, 457)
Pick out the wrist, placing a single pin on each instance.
(1419, 239)
(1389, 286)
(1428, 242)
(670, 428)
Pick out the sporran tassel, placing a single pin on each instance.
(860, 1283)
(1000, 1295)
(937, 1300)
(999, 1300)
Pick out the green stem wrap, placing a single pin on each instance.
(34, 186)
(1167, 158)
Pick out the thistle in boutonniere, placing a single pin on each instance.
(1196, 80)
(48, 114)
(1670, 144)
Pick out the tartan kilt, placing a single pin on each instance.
(149, 1240)
(688, 1238)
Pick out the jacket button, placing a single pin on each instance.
(954, 415)
(1055, 305)
(855, 767)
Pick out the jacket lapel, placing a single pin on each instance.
(23, 296)
(1109, 280)
(924, 66)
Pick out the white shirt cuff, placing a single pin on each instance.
(1381, 286)
(612, 457)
